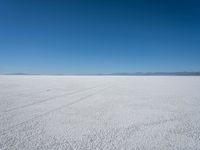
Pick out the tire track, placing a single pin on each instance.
(25, 94)
(53, 110)
(49, 99)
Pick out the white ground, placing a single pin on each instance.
(99, 112)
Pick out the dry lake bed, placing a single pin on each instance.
(99, 112)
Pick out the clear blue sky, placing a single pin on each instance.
(99, 36)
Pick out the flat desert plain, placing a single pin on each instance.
(99, 112)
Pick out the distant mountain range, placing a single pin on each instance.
(159, 74)
(127, 74)
(16, 74)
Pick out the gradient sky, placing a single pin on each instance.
(99, 36)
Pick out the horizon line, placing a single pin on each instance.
(177, 73)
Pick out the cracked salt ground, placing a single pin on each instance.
(107, 113)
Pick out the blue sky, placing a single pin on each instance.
(99, 36)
